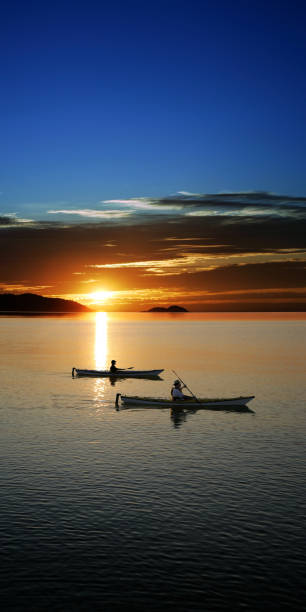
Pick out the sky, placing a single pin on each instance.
(154, 153)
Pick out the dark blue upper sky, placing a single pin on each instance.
(121, 99)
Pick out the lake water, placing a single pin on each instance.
(106, 509)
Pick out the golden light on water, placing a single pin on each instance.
(101, 346)
(100, 354)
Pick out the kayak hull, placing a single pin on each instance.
(119, 374)
(234, 402)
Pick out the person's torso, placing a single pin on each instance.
(177, 393)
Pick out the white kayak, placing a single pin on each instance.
(233, 402)
(119, 374)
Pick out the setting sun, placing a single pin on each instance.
(100, 297)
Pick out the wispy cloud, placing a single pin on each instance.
(22, 287)
(244, 203)
(8, 220)
(247, 211)
(92, 213)
(144, 204)
(139, 202)
(189, 193)
(197, 262)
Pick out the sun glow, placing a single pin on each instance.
(100, 297)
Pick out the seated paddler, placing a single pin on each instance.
(177, 393)
(113, 367)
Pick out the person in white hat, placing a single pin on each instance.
(177, 393)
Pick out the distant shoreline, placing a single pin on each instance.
(45, 312)
(12, 303)
(167, 309)
(212, 314)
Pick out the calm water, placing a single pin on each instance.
(109, 510)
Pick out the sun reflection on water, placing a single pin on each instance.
(101, 349)
(101, 355)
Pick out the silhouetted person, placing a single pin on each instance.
(113, 366)
(177, 393)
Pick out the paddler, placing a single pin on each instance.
(177, 393)
(113, 368)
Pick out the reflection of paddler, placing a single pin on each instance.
(177, 393)
(178, 415)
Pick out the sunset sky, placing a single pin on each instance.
(154, 153)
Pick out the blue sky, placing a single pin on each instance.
(135, 99)
(142, 145)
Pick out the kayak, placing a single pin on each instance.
(118, 374)
(233, 402)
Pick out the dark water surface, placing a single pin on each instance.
(139, 509)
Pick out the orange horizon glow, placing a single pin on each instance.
(195, 300)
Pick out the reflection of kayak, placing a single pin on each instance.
(233, 402)
(118, 374)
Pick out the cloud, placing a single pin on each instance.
(248, 211)
(197, 262)
(188, 193)
(232, 207)
(161, 266)
(22, 287)
(8, 220)
(144, 204)
(141, 202)
(244, 203)
(93, 214)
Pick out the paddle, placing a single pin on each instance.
(193, 395)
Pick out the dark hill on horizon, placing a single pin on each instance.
(32, 302)
(169, 309)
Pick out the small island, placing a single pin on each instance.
(31, 302)
(169, 309)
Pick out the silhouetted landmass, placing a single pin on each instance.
(31, 302)
(169, 309)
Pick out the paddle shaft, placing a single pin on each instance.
(193, 395)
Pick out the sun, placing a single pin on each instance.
(99, 297)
